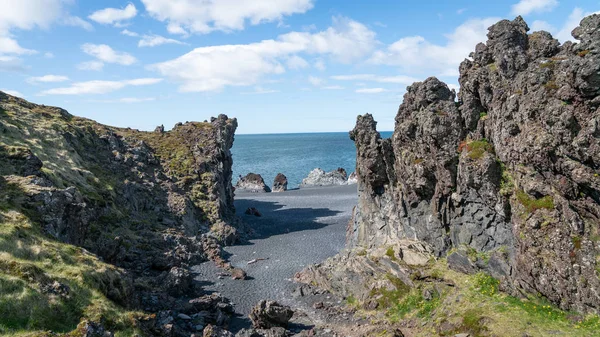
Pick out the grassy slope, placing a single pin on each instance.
(475, 305)
(29, 259)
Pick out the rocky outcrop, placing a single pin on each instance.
(252, 182)
(353, 178)
(280, 184)
(508, 168)
(139, 207)
(318, 177)
(270, 314)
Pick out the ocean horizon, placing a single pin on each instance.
(293, 154)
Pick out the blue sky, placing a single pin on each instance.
(276, 65)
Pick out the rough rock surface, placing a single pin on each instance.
(149, 204)
(280, 184)
(252, 182)
(353, 178)
(270, 314)
(318, 177)
(509, 168)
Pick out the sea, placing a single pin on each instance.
(294, 155)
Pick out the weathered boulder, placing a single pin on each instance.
(270, 314)
(215, 331)
(318, 177)
(252, 182)
(253, 211)
(238, 274)
(280, 184)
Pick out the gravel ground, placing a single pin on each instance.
(297, 228)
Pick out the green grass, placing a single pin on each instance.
(551, 86)
(414, 303)
(531, 204)
(476, 305)
(583, 53)
(507, 184)
(485, 284)
(351, 301)
(548, 65)
(387, 298)
(576, 242)
(477, 148)
(29, 262)
(391, 254)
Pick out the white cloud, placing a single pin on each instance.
(296, 62)
(156, 40)
(460, 11)
(224, 15)
(174, 28)
(99, 87)
(49, 55)
(370, 90)
(320, 65)
(414, 54)
(346, 41)
(526, 7)
(260, 91)
(106, 54)
(539, 25)
(13, 93)
(129, 33)
(333, 87)
(401, 79)
(315, 81)
(11, 63)
(28, 14)
(76, 21)
(11, 46)
(24, 15)
(47, 79)
(564, 34)
(215, 67)
(91, 65)
(114, 15)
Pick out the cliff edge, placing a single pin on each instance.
(101, 223)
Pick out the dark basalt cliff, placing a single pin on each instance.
(513, 165)
(143, 207)
(503, 178)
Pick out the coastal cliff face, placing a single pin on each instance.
(496, 188)
(509, 169)
(97, 220)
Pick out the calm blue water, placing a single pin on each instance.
(294, 155)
